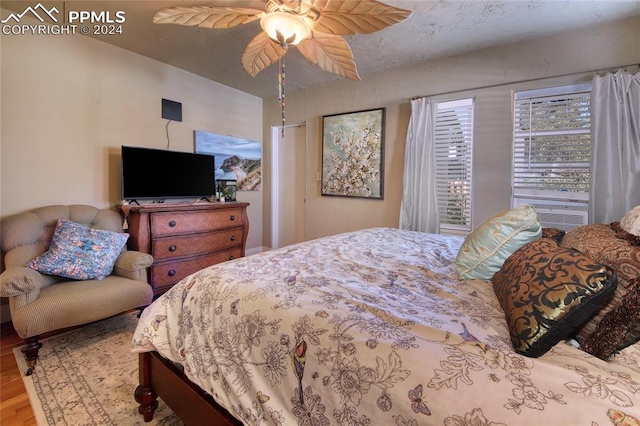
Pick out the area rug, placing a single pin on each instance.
(88, 376)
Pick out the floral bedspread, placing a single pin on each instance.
(373, 328)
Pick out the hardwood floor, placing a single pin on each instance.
(15, 408)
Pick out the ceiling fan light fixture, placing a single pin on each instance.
(315, 27)
(286, 23)
(285, 28)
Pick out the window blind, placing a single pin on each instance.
(453, 146)
(552, 143)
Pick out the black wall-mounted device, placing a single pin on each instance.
(171, 110)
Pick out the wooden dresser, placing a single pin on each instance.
(184, 238)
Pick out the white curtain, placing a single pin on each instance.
(615, 155)
(419, 208)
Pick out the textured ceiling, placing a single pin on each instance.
(436, 29)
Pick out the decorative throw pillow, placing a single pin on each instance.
(601, 243)
(547, 292)
(486, 248)
(553, 233)
(79, 252)
(624, 235)
(615, 325)
(631, 221)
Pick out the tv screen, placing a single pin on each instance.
(155, 173)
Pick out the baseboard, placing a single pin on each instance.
(256, 250)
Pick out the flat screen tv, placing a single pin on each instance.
(158, 174)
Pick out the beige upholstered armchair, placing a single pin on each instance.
(41, 302)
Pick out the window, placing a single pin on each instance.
(454, 142)
(552, 152)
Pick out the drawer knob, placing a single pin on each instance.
(233, 238)
(231, 257)
(172, 248)
(172, 223)
(171, 273)
(232, 217)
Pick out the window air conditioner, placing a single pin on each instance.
(563, 215)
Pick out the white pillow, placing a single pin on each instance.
(488, 246)
(631, 221)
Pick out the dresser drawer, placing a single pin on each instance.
(172, 223)
(194, 244)
(186, 237)
(170, 272)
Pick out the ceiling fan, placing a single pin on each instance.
(315, 27)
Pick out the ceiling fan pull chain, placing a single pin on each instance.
(281, 79)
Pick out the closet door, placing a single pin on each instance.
(291, 186)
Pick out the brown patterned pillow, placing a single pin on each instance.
(547, 291)
(553, 233)
(615, 325)
(599, 241)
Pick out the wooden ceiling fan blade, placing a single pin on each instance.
(331, 53)
(208, 17)
(348, 17)
(260, 53)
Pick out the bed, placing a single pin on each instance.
(372, 327)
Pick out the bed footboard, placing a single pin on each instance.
(160, 378)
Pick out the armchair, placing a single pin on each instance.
(40, 303)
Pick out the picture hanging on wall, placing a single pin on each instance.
(235, 158)
(353, 154)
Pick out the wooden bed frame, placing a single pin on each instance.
(160, 378)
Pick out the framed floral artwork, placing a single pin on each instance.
(353, 154)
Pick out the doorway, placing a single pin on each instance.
(288, 214)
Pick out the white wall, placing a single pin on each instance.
(574, 54)
(69, 102)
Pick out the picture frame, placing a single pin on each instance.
(353, 154)
(236, 159)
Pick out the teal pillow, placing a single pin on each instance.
(79, 252)
(488, 246)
